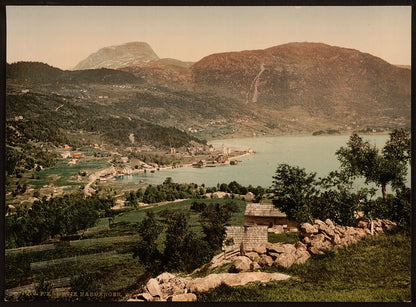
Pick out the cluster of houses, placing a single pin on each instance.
(219, 160)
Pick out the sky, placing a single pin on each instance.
(63, 36)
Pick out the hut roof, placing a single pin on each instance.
(266, 210)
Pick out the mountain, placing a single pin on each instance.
(130, 54)
(163, 72)
(41, 72)
(291, 88)
(309, 81)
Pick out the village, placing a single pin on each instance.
(128, 164)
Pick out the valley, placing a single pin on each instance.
(93, 152)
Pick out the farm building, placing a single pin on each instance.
(267, 214)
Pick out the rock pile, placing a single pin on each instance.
(168, 287)
(325, 235)
(165, 287)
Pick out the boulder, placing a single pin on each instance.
(273, 255)
(360, 232)
(205, 283)
(308, 229)
(317, 240)
(254, 266)
(165, 277)
(362, 224)
(253, 256)
(330, 224)
(260, 249)
(336, 240)
(378, 229)
(306, 240)
(327, 230)
(266, 260)
(232, 279)
(145, 297)
(300, 245)
(174, 286)
(285, 260)
(153, 288)
(186, 297)
(242, 264)
(280, 248)
(301, 256)
(314, 251)
(318, 223)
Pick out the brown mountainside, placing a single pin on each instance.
(321, 79)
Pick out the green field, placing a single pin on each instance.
(116, 270)
(126, 222)
(62, 174)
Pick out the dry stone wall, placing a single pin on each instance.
(250, 236)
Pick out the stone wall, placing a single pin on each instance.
(250, 236)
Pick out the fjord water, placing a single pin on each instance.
(314, 153)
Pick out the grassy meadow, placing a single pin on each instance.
(375, 269)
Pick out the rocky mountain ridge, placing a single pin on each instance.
(290, 88)
(129, 54)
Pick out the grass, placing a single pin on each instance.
(114, 273)
(62, 174)
(17, 269)
(286, 237)
(374, 269)
(126, 222)
(218, 270)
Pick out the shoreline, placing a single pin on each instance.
(96, 175)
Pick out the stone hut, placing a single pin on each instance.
(248, 236)
(268, 215)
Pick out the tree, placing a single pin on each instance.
(213, 220)
(294, 190)
(147, 250)
(359, 158)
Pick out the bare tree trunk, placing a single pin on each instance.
(383, 191)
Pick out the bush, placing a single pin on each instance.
(84, 283)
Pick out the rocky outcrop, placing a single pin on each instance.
(169, 287)
(129, 54)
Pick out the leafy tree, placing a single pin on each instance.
(214, 219)
(184, 250)
(359, 158)
(394, 207)
(147, 250)
(337, 201)
(294, 190)
(82, 217)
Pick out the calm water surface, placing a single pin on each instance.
(314, 153)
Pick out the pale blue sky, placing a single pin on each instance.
(63, 36)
